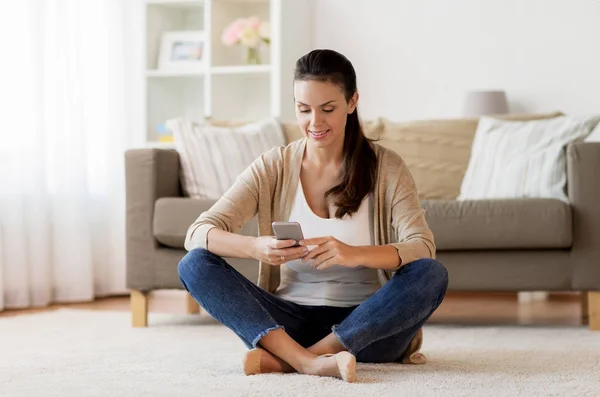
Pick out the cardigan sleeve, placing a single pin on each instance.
(233, 210)
(414, 238)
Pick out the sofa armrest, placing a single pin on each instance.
(583, 176)
(149, 175)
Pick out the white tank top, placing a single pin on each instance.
(337, 285)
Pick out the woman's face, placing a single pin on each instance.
(321, 111)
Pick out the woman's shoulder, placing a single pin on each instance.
(278, 156)
(282, 153)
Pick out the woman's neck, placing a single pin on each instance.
(323, 157)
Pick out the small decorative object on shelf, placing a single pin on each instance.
(164, 135)
(182, 50)
(250, 33)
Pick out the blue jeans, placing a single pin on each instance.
(378, 330)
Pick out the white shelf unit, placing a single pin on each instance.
(225, 87)
(177, 3)
(173, 73)
(244, 69)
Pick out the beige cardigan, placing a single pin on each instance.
(268, 187)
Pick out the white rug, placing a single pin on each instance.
(96, 353)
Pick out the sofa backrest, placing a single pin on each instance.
(437, 152)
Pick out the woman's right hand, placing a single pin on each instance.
(276, 252)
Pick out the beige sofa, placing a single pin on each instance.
(487, 245)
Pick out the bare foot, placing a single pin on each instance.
(341, 365)
(261, 361)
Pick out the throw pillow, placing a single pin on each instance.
(514, 159)
(213, 157)
(594, 135)
(291, 132)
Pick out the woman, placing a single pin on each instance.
(360, 213)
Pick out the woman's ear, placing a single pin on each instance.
(352, 103)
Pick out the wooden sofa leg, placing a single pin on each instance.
(139, 308)
(584, 308)
(594, 310)
(192, 306)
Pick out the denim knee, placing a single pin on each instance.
(431, 272)
(436, 275)
(435, 272)
(192, 262)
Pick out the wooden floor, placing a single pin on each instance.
(457, 308)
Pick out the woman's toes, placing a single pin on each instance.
(341, 365)
(346, 363)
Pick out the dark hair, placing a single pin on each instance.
(360, 162)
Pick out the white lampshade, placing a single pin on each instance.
(482, 103)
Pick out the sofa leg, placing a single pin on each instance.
(192, 306)
(594, 310)
(139, 308)
(584, 308)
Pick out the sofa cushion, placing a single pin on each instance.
(499, 224)
(173, 216)
(437, 152)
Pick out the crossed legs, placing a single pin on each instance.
(378, 330)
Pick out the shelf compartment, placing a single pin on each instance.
(252, 96)
(170, 98)
(223, 13)
(169, 17)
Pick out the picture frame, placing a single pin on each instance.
(182, 50)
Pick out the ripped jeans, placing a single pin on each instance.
(378, 330)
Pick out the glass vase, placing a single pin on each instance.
(253, 56)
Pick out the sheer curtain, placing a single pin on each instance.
(65, 129)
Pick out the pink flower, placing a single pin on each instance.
(246, 31)
(253, 23)
(233, 32)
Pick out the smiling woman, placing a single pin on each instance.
(326, 97)
(358, 206)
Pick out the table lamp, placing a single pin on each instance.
(484, 103)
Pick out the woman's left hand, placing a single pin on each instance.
(330, 251)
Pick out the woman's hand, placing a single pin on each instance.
(330, 251)
(276, 252)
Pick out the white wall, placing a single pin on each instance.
(416, 58)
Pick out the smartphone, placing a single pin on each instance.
(288, 231)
